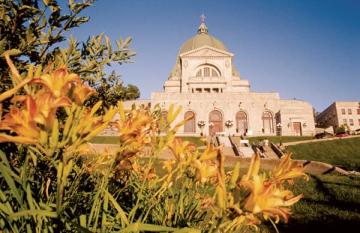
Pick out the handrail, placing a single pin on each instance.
(276, 149)
(234, 147)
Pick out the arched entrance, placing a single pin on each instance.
(215, 122)
(241, 122)
(267, 119)
(189, 126)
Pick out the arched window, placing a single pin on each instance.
(215, 122)
(207, 71)
(267, 119)
(199, 73)
(189, 126)
(241, 122)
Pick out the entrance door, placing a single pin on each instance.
(215, 122)
(297, 128)
(267, 119)
(241, 122)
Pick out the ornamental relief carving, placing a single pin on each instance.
(227, 63)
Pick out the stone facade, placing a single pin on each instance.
(207, 85)
(341, 113)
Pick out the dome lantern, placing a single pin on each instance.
(202, 28)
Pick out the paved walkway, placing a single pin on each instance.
(319, 140)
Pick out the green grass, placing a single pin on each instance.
(342, 152)
(105, 140)
(331, 203)
(278, 139)
(196, 140)
(114, 140)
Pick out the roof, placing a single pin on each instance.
(202, 38)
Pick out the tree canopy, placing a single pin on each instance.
(35, 29)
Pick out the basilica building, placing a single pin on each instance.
(206, 84)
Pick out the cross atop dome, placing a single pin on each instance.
(202, 28)
(202, 18)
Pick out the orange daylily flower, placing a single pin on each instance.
(181, 149)
(59, 82)
(287, 170)
(168, 165)
(22, 123)
(81, 93)
(25, 119)
(210, 153)
(205, 170)
(42, 107)
(265, 197)
(253, 168)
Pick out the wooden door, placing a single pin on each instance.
(241, 122)
(189, 126)
(215, 122)
(297, 128)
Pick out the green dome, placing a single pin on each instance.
(202, 39)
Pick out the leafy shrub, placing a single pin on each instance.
(341, 129)
(56, 182)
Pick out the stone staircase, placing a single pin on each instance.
(245, 152)
(269, 153)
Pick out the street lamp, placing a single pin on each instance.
(229, 124)
(201, 125)
(278, 126)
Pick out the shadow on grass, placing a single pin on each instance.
(334, 224)
(331, 213)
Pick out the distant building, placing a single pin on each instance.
(208, 87)
(341, 113)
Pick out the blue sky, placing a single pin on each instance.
(304, 49)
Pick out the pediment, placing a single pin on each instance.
(206, 51)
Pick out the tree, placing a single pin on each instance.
(34, 30)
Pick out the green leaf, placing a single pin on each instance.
(83, 220)
(54, 139)
(5, 171)
(136, 227)
(187, 230)
(121, 212)
(42, 213)
(12, 52)
(235, 175)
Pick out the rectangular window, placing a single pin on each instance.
(349, 111)
(351, 122)
(358, 111)
(207, 90)
(343, 111)
(207, 72)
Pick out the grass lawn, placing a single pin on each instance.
(331, 203)
(196, 140)
(343, 152)
(277, 139)
(114, 140)
(105, 140)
